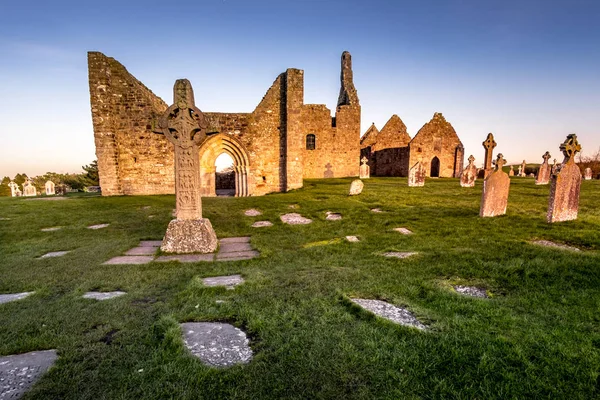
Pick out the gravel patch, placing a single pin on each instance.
(295, 219)
(547, 243)
(471, 291)
(390, 312)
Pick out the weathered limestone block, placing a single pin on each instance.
(416, 175)
(190, 236)
(563, 203)
(364, 172)
(495, 191)
(356, 187)
(543, 177)
(469, 174)
(488, 144)
(588, 174)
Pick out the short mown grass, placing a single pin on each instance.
(538, 336)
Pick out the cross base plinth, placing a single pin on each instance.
(190, 236)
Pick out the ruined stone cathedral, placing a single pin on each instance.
(273, 148)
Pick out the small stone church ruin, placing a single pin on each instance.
(274, 147)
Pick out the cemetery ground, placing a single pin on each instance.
(537, 335)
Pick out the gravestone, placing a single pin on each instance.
(520, 173)
(522, 169)
(543, 177)
(183, 124)
(356, 187)
(488, 144)
(554, 166)
(365, 170)
(469, 174)
(563, 203)
(50, 189)
(512, 171)
(14, 188)
(587, 174)
(494, 198)
(28, 189)
(416, 175)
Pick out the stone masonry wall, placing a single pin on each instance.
(390, 152)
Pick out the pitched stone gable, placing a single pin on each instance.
(370, 137)
(393, 135)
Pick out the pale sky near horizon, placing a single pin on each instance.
(528, 70)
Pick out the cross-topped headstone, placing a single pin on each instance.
(543, 176)
(469, 174)
(488, 144)
(500, 161)
(14, 188)
(494, 198)
(364, 170)
(522, 168)
(563, 204)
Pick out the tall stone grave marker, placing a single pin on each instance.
(554, 166)
(14, 189)
(469, 174)
(365, 170)
(183, 124)
(416, 175)
(495, 191)
(50, 189)
(512, 171)
(488, 144)
(563, 203)
(522, 169)
(543, 176)
(587, 175)
(28, 189)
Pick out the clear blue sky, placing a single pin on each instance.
(528, 71)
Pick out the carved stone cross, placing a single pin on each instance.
(364, 160)
(488, 144)
(471, 160)
(546, 157)
(183, 124)
(570, 147)
(500, 161)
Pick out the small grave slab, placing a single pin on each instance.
(241, 239)
(19, 372)
(51, 229)
(252, 212)
(547, 243)
(295, 219)
(390, 312)
(99, 226)
(376, 210)
(399, 254)
(187, 258)
(6, 298)
(352, 239)
(331, 216)
(54, 254)
(121, 260)
(229, 281)
(216, 344)
(471, 291)
(262, 224)
(141, 251)
(403, 231)
(103, 295)
(150, 243)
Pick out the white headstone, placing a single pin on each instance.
(50, 189)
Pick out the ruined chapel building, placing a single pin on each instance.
(273, 147)
(391, 151)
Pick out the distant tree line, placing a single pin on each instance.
(75, 181)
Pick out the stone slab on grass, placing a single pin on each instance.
(547, 243)
(103, 295)
(252, 212)
(121, 260)
(376, 210)
(390, 312)
(399, 254)
(352, 239)
(403, 231)
(331, 216)
(187, 258)
(51, 229)
(234, 247)
(228, 281)
(150, 243)
(471, 291)
(295, 219)
(241, 239)
(19, 372)
(4, 219)
(141, 251)
(54, 254)
(99, 226)
(216, 344)
(240, 255)
(6, 298)
(262, 224)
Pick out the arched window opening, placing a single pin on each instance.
(435, 168)
(224, 175)
(311, 142)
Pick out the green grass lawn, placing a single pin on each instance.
(538, 336)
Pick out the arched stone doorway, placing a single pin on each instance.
(212, 148)
(435, 168)
(224, 175)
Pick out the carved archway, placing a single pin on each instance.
(435, 168)
(209, 151)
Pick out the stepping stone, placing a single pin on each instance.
(187, 258)
(228, 281)
(471, 291)
(295, 219)
(216, 344)
(403, 231)
(352, 239)
(390, 312)
(5, 298)
(261, 224)
(54, 254)
(241, 255)
(242, 239)
(399, 254)
(233, 247)
(333, 216)
(19, 372)
(252, 212)
(129, 260)
(150, 243)
(103, 295)
(294, 206)
(547, 243)
(99, 226)
(141, 251)
(52, 229)
(376, 210)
